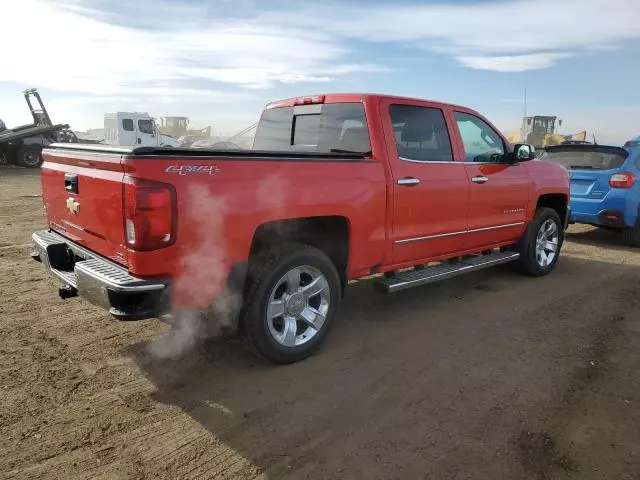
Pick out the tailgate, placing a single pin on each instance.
(82, 192)
(590, 167)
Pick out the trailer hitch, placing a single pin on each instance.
(67, 291)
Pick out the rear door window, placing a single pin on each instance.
(580, 158)
(323, 128)
(421, 133)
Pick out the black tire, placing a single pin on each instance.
(631, 236)
(29, 156)
(263, 278)
(527, 245)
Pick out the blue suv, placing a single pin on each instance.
(605, 185)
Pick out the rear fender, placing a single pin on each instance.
(36, 140)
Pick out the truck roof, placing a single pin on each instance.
(350, 97)
(119, 114)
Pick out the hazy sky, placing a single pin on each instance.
(220, 61)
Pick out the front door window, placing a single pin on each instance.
(481, 142)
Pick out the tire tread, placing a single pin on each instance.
(263, 264)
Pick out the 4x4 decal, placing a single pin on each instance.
(186, 169)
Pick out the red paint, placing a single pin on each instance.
(218, 211)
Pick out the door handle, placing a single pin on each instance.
(71, 182)
(479, 179)
(408, 182)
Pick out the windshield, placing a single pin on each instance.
(335, 127)
(586, 159)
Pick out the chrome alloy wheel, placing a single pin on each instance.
(547, 243)
(298, 305)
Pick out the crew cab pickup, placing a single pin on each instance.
(336, 187)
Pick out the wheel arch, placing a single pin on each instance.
(330, 234)
(556, 201)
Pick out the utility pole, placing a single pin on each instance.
(524, 118)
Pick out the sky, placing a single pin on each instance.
(219, 61)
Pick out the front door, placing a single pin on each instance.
(429, 188)
(498, 190)
(146, 133)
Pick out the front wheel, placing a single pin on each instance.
(29, 156)
(292, 299)
(540, 246)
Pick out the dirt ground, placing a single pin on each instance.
(487, 376)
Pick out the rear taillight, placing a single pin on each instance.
(150, 214)
(622, 180)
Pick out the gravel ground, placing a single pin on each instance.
(486, 376)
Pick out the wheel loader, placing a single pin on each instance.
(541, 131)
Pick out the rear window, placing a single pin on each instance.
(326, 128)
(585, 159)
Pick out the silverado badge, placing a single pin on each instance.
(72, 205)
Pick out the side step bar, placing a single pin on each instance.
(416, 277)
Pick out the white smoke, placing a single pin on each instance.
(204, 263)
(203, 274)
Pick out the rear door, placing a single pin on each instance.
(590, 168)
(82, 193)
(430, 189)
(498, 191)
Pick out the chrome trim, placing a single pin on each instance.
(430, 237)
(414, 278)
(480, 179)
(463, 232)
(408, 181)
(100, 270)
(411, 160)
(455, 162)
(497, 227)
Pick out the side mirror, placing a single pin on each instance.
(523, 152)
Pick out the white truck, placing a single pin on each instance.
(134, 129)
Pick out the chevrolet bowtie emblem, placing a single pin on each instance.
(72, 205)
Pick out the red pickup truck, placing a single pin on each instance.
(336, 187)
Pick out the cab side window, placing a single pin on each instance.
(481, 142)
(421, 133)
(127, 125)
(146, 126)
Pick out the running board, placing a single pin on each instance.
(414, 278)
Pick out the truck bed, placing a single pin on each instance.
(201, 152)
(24, 132)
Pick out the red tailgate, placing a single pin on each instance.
(82, 193)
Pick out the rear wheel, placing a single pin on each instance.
(540, 246)
(29, 156)
(292, 299)
(631, 236)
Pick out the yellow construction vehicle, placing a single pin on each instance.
(179, 126)
(541, 131)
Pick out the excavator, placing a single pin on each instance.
(541, 131)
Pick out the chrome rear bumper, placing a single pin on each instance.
(99, 280)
